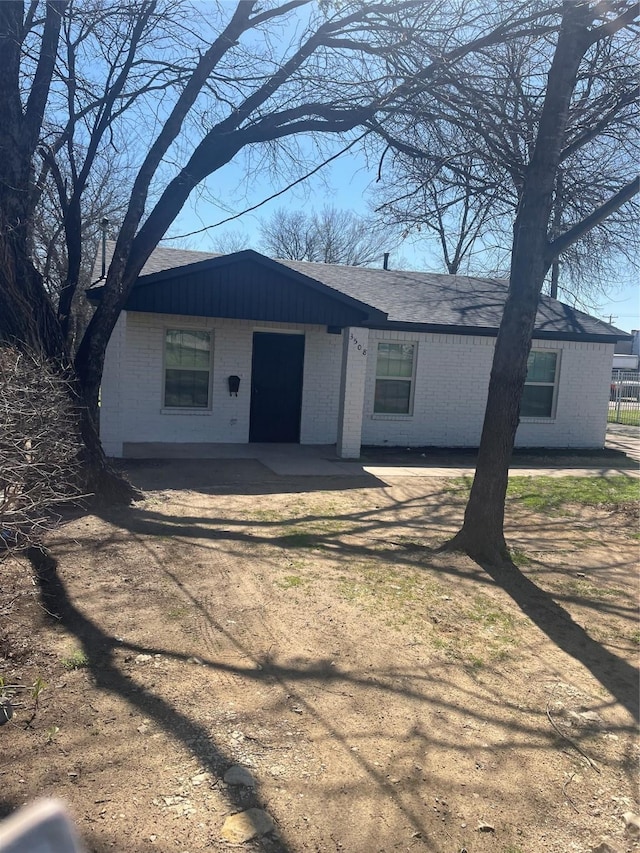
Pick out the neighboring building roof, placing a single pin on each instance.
(381, 298)
(625, 361)
(631, 346)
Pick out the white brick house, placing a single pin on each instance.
(240, 348)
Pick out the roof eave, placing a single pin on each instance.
(492, 332)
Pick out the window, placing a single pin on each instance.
(539, 390)
(394, 376)
(187, 363)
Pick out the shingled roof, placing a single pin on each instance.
(398, 299)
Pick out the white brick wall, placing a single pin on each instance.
(115, 368)
(452, 375)
(452, 378)
(582, 401)
(355, 349)
(322, 360)
(132, 388)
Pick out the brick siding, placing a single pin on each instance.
(449, 394)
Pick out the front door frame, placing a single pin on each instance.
(265, 424)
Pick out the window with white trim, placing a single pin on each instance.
(187, 366)
(394, 378)
(538, 399)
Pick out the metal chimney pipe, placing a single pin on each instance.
(385, 262)
(104, 224)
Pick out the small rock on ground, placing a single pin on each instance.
(606, 847)
(632, 824)
(6, 711)
(244, 826)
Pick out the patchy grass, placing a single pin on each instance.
(379, 586)
(177, 613)
(77, 660)
(628, 417)
(312, 534)
(581, 588)
(519, 557)
(474, 664)
(299, 539)
(549, 494)
(374, 625)
(290, 582)
(487, 613)
(475, 633)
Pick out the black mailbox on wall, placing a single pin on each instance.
(234, 385)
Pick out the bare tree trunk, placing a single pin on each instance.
(101, 480)
(556, 226)
(482, 533)
(26, 313)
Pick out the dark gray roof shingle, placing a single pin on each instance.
(413, 298)
(445, 300)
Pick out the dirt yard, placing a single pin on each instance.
(381, 695)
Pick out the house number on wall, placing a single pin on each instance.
(359, 346)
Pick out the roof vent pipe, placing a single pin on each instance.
(385, 261)
(104, 224)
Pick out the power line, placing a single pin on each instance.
(271, 197)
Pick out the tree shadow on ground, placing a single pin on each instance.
(616, 675)
(99, 648)
(7, 807)
(542, 607)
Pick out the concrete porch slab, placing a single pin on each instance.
(308, 460)
(285, 460)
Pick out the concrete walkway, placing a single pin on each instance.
(294, 460)
(312, 461)
(625, 439)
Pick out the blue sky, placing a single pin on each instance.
(346, 184)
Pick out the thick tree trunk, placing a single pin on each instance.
(27, 316)
(482, 533)
(102, 482)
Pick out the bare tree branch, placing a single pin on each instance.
(562, 243)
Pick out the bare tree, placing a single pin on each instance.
(330, 237)
(103, 205)
(288, 234)
(583, 28)
(458, 170)
(233, 240)
(444, 203)
(178, 92)
(553, 120)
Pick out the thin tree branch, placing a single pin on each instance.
(561, 244)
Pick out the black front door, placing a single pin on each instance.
(276, 387)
